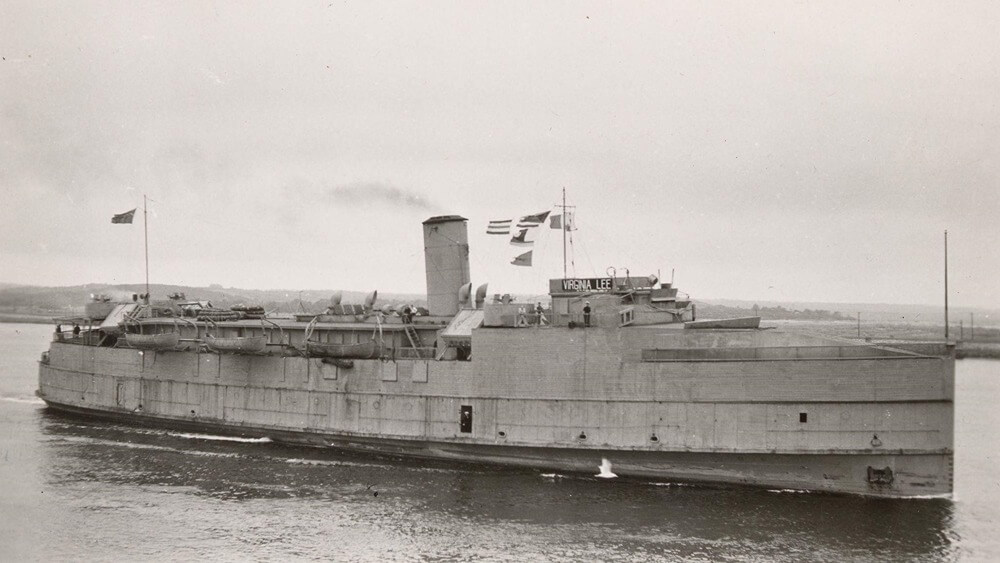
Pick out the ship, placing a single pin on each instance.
(613, 372)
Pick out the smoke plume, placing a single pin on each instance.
(359, 193)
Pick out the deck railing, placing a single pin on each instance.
(775, 353)
(68, 337)
(526, 319)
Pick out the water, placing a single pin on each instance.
(77, 489)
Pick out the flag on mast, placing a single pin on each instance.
(521, 239)
(124, 217)
(499, 227)
(530, 221)
(564, 221)
(523, 260)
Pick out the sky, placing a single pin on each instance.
(787, 151)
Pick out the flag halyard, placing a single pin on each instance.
(564, 221)
(569, 221)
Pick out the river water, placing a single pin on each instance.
(76, 489)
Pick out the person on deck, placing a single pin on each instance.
(540, 312)
(76, 330)
(586, 314)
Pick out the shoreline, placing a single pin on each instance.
(24, 318)
(986, 350)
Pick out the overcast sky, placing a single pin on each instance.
(785, 151)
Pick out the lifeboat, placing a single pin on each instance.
(361, 351)
(162, 341)
(217, 315)
(241, 345)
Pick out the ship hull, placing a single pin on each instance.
(914, 475)
(780, 411)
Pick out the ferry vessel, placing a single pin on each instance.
(637, 383)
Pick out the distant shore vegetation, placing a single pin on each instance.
(773, 313)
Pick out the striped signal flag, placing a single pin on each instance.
(499, 227)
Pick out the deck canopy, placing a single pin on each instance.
(118, 315)
(459, 330)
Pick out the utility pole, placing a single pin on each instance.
(946, 284)
(145, 231)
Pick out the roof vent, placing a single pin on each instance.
(481, 295)
(464, 293)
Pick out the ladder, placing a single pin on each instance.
(412, 336)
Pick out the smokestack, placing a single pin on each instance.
(446, 261)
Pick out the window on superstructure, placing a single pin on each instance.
(803, 417)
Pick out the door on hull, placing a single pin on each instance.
(120, 393)
(465, 419)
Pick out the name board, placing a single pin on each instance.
(583, 285)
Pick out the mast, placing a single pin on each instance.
(564, 225)
(145, 232)
(946, 284)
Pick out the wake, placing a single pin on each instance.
(23, 400)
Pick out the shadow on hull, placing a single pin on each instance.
(716, 470)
